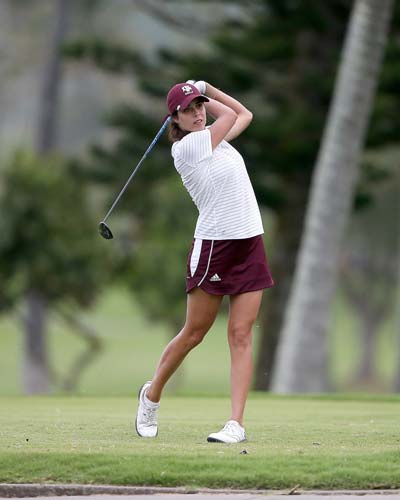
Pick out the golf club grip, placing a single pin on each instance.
(157, 137)
(137, 166)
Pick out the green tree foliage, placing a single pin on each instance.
(154, 221)
(49, 241)
(157, 275)
(281, 63)
(302, 357)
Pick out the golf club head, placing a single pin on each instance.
(105, 231)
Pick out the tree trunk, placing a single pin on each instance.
(360, 275)
(397, 331)
(397, 309)
(35, 374)
(49, 99)
(82, 361)
(287, 237)
(302, 358)
(369, 333)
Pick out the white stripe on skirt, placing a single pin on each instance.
(195, 257)
(208, 263)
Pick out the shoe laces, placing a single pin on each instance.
(233, 428)
(149, 415)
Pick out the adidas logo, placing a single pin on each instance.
(215, 278)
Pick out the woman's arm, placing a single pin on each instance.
(225, 119)
(243, 115)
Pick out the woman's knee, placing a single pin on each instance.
(193, 336)
(240, 335)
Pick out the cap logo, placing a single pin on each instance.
(187, 90)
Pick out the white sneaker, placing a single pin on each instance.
(232, 432)
(146, 418)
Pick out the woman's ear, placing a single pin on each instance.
(175, 117)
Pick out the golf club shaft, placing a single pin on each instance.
(137, 167)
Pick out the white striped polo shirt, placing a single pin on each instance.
(219, 185)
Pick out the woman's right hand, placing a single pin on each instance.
(200, 85)
(225, 117)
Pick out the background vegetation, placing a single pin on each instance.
(85, 316)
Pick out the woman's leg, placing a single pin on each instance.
(242, 315)
(202, 309)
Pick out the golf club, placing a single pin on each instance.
(104, 230)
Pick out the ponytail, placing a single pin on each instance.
(175, 133)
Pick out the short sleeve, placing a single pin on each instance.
(194, 147)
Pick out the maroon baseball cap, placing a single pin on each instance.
(181, 95)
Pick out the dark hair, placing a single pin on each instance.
(175, 133)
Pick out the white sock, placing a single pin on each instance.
(150, 403)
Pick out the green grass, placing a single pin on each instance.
(312, 442)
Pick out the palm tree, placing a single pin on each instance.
(302, 358)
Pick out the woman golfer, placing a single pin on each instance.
(227, 255)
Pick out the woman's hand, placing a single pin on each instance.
(200, 85)
(243, 115)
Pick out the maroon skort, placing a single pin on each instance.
(228, 267)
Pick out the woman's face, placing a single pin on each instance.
(193, 118)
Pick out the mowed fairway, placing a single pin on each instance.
(311, 442)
